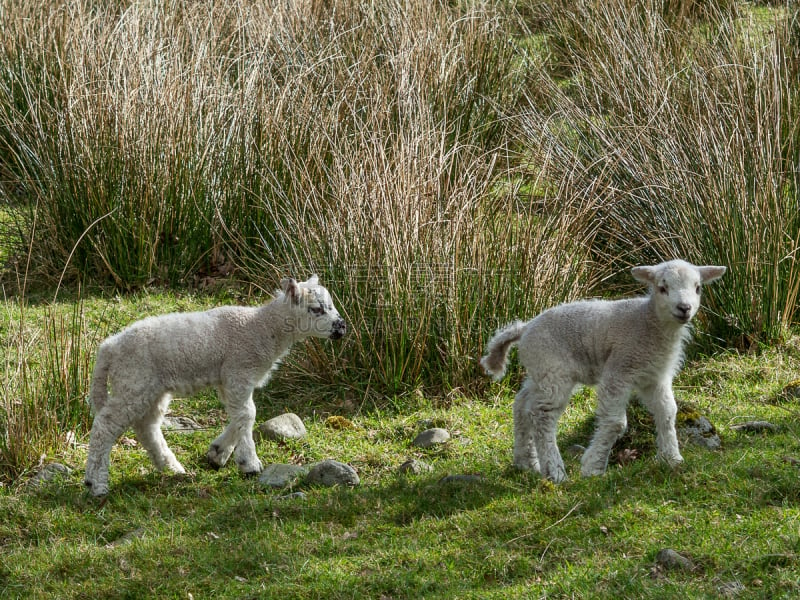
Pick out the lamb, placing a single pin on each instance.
(232, 348)
(621, 347)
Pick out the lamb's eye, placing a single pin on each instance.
(697, 290)
(316, 310)
(662, 289)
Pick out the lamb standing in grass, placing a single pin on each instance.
(232, 348)
(621, 346)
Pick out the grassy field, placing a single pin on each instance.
(733, 512)
(444, 167)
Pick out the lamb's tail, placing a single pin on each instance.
(99, 390)
(494, 362)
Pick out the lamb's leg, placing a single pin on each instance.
(148, 432)
(238, 435)
(547, 401)
(525, 456)
(660, 401)
(106, 428)
(612, 401)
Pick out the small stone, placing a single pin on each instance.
(332, 472)
(414, 467)
(755, 427)
(431, 437)
(283, 427)
(281, 476)
(671, 560)
(127, 538)
(791, 390)
(180, 424)
(48, 473)
(730, 589)
(699, 431)
(293, 496)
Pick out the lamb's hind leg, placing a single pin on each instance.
(108, 425)
(525, 456)
(148, 432)
(547, 400)
(238, 435)
(612, 401)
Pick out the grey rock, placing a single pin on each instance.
(281, 476)
(180, 424)
(755, 427)
(730, 589)
(671, 560)
(332, 472)
(431, 437)
(701, 432)
(48, 473)
(414, 467)
(128, 538)
(283, 427)
(293, 496)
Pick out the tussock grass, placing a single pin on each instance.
(686, 141)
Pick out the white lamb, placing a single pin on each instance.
(232, 348)
(621, 346)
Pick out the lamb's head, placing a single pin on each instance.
(313, 312)
(675, 288)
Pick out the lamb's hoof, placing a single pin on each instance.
(250, 469)
(671, 461)
(531, 467)
(97, 490)
(592, 471)
(555, 474)
(216, 457)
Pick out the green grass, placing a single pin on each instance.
(734, 512)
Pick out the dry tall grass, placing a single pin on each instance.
(688, 139)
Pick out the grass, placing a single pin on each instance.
(445, 167)
(733, 512)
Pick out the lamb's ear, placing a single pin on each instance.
(290, 288)
(709, 274)
(644, 274)
(313, 280)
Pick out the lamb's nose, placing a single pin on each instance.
(686, 309)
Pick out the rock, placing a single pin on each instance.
(332, 472)
(283, 427)
(281, 476)
(293, 496)
(671, 560)
(48, 473)
(755, 427)
(431, 437)
(460, 479)
(128, 538)
(180, 424)
(414, 467)
(730, 589)
(699, 431)
(791, 391)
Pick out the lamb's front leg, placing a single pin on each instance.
(660, 401)
(238, 435)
